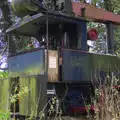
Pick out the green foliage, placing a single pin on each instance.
(3, 74)
(4, 116)
(22, 43)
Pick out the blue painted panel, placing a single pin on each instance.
(31, 63)
(76, 66)
(83, 66)
(84, 35)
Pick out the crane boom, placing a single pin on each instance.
(92, 13)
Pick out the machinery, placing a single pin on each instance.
(63, 67)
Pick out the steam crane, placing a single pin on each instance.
(64, 66)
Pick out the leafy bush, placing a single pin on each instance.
(3, 74)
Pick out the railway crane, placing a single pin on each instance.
(63, 66)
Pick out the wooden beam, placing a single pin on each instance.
(95, 14)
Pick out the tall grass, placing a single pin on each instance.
(107, 100)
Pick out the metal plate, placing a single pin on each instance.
(53, 66)
(33, 102)
(84, 67)
(76, 66)
(31, 63)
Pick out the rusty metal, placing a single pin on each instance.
(92, 13)
(53, 71)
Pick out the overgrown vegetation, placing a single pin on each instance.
(108, 106)
(106, 101)
(3, 74)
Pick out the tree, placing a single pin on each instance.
(17, 43)
(4, 21)
(112, 6)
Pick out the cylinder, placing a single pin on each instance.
(22, 8)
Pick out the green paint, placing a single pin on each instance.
(24, 99)
(105, 62)
(33, 96)
(30, 70)
(28, 103)
(4, 95)
(32, 103)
